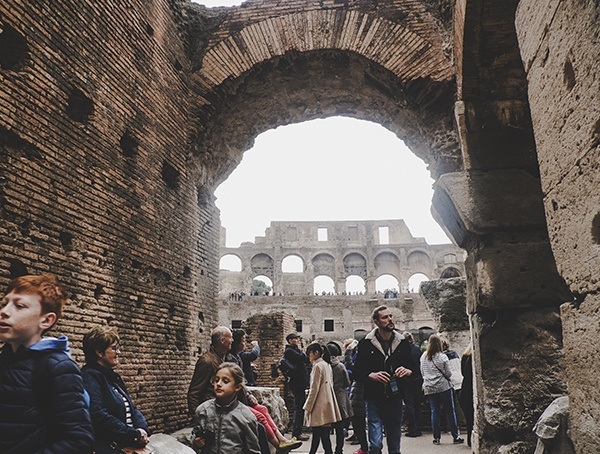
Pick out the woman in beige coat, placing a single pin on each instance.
(321, 408)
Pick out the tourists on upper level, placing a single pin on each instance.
(115, 418)
(298, 381)
(200, 389)
(383, 364)
(42, 401)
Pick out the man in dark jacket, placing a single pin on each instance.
(42, 402)
(383, 364)
(413, 396)
(298, 381)
(201, 389)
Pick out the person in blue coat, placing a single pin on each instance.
(116, 420)
(42, 401)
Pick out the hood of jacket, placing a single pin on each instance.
(52, 344)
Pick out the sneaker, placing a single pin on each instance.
(458, 440)
(359, 451)
(436, 441)
(287, 446)
(303, 437)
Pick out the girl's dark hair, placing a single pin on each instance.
(334, 349)
(238, 338)
(322, 351)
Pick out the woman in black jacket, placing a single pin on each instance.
(116, 420)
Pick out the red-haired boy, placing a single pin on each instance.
(42, 403)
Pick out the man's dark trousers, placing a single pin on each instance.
(299, 400)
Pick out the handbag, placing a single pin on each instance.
(443, 374)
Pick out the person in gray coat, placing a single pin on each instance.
(341, 382)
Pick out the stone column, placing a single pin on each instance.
(559, 44)
(513, 298)
(447, 300)
(340, 285)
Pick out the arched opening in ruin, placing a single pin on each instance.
(355, 285)
(230, 262)
(414, 282)
(302, 155)
(262, 264)
(292, 264)
(323, 285)
(261, 286)
(387, 263)
(387, 284)
(450, 272)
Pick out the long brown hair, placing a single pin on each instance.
(434, 346)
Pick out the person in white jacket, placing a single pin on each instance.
(436, 372)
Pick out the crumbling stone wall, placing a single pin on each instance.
(270, 331)
(447, 300)
(559, 45)
(347, 314)
(352, 248)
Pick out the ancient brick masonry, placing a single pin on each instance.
(95, 187)
(119, 118)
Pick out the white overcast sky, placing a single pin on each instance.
(326, 170)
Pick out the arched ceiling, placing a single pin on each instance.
(266, 64)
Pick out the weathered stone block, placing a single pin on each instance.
(448, 302)
(564, 82)
(476, 203)
(573, 213)
(581, 333)
(517, 375)
(515, 274)
(166, 444)
(552, 429)
(271, 398)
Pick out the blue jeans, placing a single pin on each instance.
(384, 413)
(435, 402)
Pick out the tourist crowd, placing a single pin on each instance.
(47, 404)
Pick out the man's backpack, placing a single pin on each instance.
(286, 367)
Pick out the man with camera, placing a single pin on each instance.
(383, 364)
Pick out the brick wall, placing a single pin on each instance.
(96, 186)
(270, 331)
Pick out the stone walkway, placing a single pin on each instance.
(419, 445)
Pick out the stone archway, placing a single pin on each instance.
(315, 63)
(102, 183)
(257, 70)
